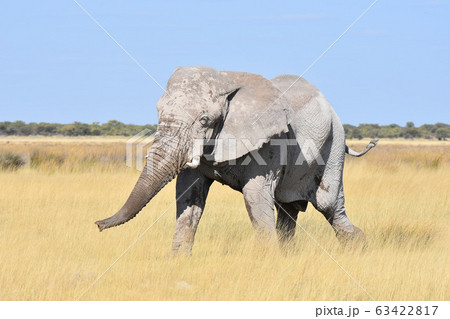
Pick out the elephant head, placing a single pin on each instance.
(235, 112)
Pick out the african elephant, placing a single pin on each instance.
(253, 133)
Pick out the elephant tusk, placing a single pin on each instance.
(195, 162)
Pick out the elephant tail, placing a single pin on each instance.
(369, 146)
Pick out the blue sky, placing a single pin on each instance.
(56, 65)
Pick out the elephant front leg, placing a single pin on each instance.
(191, 190)
(186, 228)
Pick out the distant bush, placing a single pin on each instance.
(63, 157)
(11, 161)
(39, 159)
(442, 133)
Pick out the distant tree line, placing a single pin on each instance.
(111, 128)
(439, 131)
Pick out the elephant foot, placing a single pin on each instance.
(352, 240)
(178, 253)
(180, 250)
(287, 248)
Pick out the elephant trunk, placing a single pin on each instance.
(164, 161)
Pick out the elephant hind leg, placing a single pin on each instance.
(333, 209)
(287, 220)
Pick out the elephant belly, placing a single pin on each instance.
(297, 184)
(230, 175)
(301, 176)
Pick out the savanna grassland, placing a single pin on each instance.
(55, 188)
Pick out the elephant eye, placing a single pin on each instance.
(204, 120)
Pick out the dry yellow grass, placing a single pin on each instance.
(51, 249)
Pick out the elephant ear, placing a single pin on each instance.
(256, 112)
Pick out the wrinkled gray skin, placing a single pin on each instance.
(203, 103)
